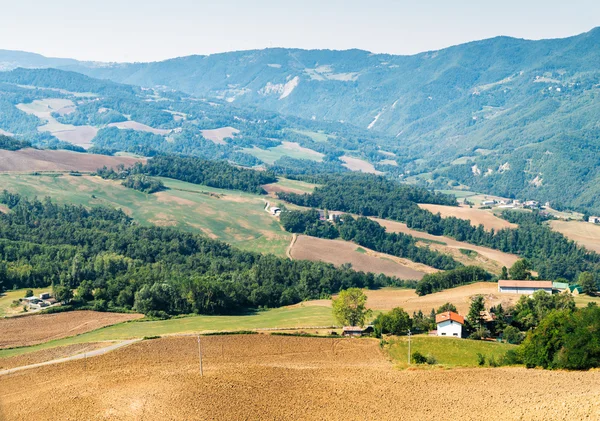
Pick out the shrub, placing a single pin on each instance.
(511, 357)
(492, 361)
(480, 359)
(28, 293)
(431, 360)
(512, 335)
(419, 358)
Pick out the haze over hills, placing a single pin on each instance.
(507, 116)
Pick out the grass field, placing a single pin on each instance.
(316, 136)
(235, 217)
(449, 352)
(8, 297)
(285, 317)
(290, 149)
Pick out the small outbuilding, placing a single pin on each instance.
(356, 330)
(524, 287)
(575, 289)
(449, 323)
(560, 287)
(44, 295)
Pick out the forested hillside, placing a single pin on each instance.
(116, 263)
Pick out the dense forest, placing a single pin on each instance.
(435, 282)
(366, 233)
(118, 264)
(552, 254)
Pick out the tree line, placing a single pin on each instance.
(118, 264)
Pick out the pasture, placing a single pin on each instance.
(449, 352)
(235, 217)
(275, 377)
(291, 149)
(356, 164)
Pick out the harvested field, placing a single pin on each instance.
(286, 378)
(288, 186)
(502, 259)
(31, 330)
(291, 149)
(77, 135)
(476, 216)
(339, 252)
(388, 298)
(583, 233)
(140, 127)
(218, 136)
(50, 354)
(356, 164)
(29, 160)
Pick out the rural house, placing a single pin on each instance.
(575, 289)
(524, 287)
(594, 219)
(356, 330)
(449, 323)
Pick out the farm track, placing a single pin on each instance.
(286, 378)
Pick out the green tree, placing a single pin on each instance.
(512, 335)
(520, 270)
(85, 291)
(446, 307)
(504, 274)
(474, 317)
(396, 322)
(62, 293)
(349, 308)
(588, 284)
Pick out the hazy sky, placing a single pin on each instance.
(147, 30)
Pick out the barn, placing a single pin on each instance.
(449, 323)
(524, 287)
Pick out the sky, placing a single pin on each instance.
(152, 30)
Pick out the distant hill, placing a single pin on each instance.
(507, 116)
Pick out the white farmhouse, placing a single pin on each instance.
(524, 287)
(449, 323)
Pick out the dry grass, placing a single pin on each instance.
(501, 258)
(29, 160)
(218, 136)
(287, 378)
(356, 164)
(35, 329)
(140, 127)
(476, 216)
(50, 354)
(339, 252)
(583, 233)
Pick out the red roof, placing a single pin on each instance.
(525, 284)
(449, 315)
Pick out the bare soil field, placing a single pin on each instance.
(29, 160)
(218, 136)
(339, 252)
(286, 378)
(31, 330)
(140, 127)
(583, 233)
(388, 298)
(356, 164)
(79, 135)
(476, 216)
(50, 354)
(502, 259)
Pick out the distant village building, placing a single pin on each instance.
(275, 211)
(449, 323)
(357, 330)
(488, 202)
(575, 289)
(524, 287)
(594, 219)
(531, 204)
(44, 295)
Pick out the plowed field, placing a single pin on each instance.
(50, 354)
(31, 330)
(286, 378)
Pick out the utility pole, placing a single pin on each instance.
(409, 347)
(200, 356)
